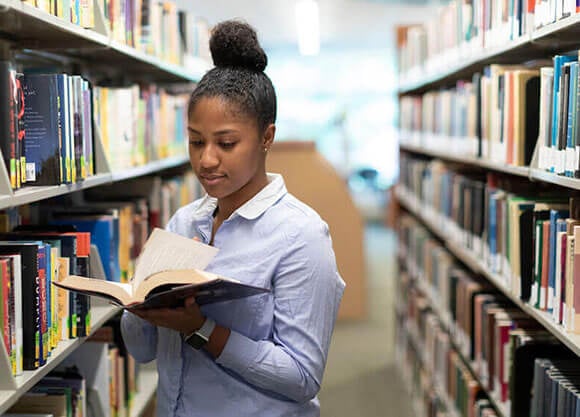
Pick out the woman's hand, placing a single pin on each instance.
(185, 319)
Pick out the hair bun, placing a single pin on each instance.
(235, 44)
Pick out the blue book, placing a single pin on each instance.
(559, 61)
(41, 141)
(104, 231)
(554, 216)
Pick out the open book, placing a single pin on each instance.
(169, 269)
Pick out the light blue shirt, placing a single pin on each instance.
(274, 359)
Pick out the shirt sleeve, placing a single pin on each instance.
(139, 336)
(307, 290)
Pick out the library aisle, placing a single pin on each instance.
(361, 376)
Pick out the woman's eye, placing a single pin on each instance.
(196, 143)
(227, 145)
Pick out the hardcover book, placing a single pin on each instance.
(169, 269)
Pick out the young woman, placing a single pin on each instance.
(262, 355)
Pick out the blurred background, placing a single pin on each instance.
(341, 93)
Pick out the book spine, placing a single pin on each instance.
(43, 305)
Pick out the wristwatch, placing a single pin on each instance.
(200, 337)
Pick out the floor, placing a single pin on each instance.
(361, 379)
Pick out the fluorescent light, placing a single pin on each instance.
(307, 25)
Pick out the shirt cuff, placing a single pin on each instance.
(239, 353)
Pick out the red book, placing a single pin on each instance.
(545, 264)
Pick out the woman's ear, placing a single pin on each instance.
(268, 137)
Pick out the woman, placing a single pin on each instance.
(262, 355)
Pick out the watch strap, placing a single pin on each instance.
(200, 337)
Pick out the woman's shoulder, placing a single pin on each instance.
(188, 215)
(295, 217)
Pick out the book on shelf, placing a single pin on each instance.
(169, 269)
(10, 129)
(42, 141)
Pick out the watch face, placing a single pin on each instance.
(196, 341)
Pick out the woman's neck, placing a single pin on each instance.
(227, 205)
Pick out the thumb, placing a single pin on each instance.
(189, 301)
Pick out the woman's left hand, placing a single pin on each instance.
(185, 319)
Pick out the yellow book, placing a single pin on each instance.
(54, 255)
(63, 299)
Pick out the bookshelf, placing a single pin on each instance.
(533, 174)
(572, 341)
(495, 166)
(100, 313)
(23, 23)
(27, 29)
(147, 383)
(560, 36)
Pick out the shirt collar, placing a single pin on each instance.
(254, 207)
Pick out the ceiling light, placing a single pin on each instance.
(307, 25)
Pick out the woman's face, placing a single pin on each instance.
(226, 150)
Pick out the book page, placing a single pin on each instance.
(165, 251)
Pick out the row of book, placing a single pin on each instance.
(480, 328)
(99, 238)
(49, 120)
(46, 124)
(494, 116)
(466, 28)
(441, 388)
(559, 380)
(504, 114)
(521, 233)
(76, 389)
(158, 28)
(140, 124)
(35, 314)
(59, 394)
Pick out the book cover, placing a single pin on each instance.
(104, 232)
(17, 342)
(555, 215)
(30, 302)
(65, 132)
(526, 116)
(73, 246)
(571, 121)
(525, 351)
(559, 61)
(41, 142)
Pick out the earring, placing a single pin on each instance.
(265, 149)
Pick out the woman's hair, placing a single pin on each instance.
(238, 75)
